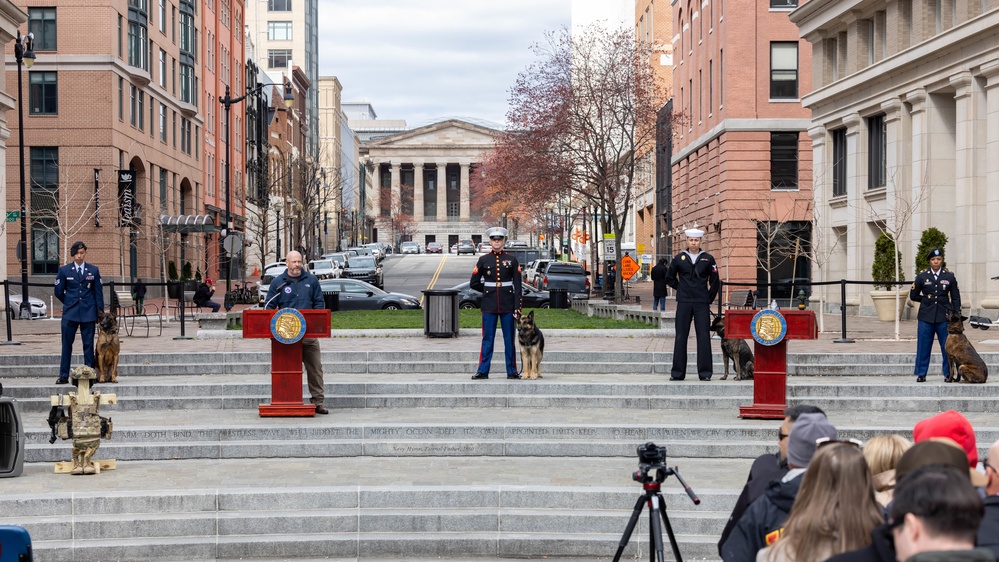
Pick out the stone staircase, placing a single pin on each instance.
(415, 461)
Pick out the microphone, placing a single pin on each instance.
(282, 286)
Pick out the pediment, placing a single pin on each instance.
(453, 133)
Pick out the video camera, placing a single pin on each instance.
(651, 457)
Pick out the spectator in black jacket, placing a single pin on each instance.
(766, 468)
(762, 523)
(203, 297)
(659, 287)
(988, 531)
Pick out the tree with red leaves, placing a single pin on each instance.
(579, 116)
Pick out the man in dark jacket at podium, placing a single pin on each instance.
(299, 289)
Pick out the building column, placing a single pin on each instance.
(374, 193)
(821, 191)
(418, 192)
(395, 206)
(990, 255)
(441, 192)
(963, 227)
(464, 206)
(860, 248)
(919, 144)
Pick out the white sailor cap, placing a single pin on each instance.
(496, 232)
(693, 233)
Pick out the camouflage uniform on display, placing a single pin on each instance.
(83, 424)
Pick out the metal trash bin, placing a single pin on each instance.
(559, 298)
(332, 300)
(11, 439)
(440, 313)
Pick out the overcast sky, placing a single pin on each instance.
(421, 59)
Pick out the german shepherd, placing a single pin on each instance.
(108, 347)
(532, 345)
(965, 363)
(735, 350)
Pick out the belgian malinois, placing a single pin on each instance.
(735, 350)
(108, 347)
(965, 363)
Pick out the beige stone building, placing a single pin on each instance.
(420, 182)
(114, 88)
(905, 116)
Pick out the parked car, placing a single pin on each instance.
(358, 295)
(38, 308)
(454, 248)
(515, 244)
(563, 275)
(411, 248)
(339, 258)
(361, 250)
(484, 247)
(466, 247)
(364, 268)
(534, 269)
(325, 269)
(470, 298)
(264, 285)
(377, 250)
(434, 248)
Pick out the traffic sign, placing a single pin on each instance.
(629, 267)
(12, 216)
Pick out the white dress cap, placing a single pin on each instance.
(694, 233)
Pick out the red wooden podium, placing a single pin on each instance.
(286, 361)
(770, 361)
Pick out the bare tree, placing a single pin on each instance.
(579, 116)
(824, 245)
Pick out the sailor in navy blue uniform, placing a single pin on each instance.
(78, 287)
(693, 273)
(937, 294)
(498, 277)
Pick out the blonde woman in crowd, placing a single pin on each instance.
(834, 511)
(882, 453)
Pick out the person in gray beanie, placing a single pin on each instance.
(762, 523)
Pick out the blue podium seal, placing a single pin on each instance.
(288, 325)
(768, 327)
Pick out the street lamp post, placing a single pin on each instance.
(23, 54)
(227, 103)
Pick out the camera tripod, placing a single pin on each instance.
(653, 498)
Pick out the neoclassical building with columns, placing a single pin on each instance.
(905, 120)
(421, 183)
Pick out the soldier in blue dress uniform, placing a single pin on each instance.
(78, 287)
(498, 277)
(937, 294)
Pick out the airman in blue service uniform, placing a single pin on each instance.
(693, 273)
(78, 287)
(498, 277)
(937, 294)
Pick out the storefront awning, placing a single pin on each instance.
(186, 224)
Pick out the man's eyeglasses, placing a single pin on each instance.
(781, 435)
(496, 238)
(987, 466)
(826, 440)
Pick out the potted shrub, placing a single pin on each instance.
(173, 289)
(889, 291)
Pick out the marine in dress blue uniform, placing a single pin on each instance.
(937, 293)
(498, 277)
(694, 275)
(78, 287)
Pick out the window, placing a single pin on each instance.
(877, 150)
(711, 87)
(187, 84)
(173, 24)
(133, 99)
(163, 68)
(777, 261)
(173, 115)
(784, 160)
(279, 31)
(278, 58)
(141, 110)
(163, 123)
(152, 117)
(43, 93)
(783, 70)
(44, 170)
(721, 78)
(121, 98)
(42, 22)
(163, 190)
(185, 135)
(783, 3)
(188, 35)
(278, 5)
(138, 55)
(839, 162)
(162, 16)
(119, 36)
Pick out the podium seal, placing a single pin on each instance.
(288, 325)
(768, 327)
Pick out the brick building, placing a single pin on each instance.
(113, 87)
(742, 157)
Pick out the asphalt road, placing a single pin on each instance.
(412, 273)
